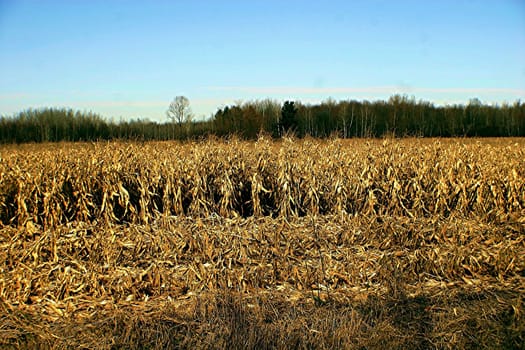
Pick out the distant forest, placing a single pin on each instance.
(400, 116)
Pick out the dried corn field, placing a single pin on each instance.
(410, 243)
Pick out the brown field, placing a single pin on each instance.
(307, 244)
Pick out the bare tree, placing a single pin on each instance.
(179, 111)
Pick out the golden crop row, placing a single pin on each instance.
(134, 182)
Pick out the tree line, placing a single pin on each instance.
(399, 116)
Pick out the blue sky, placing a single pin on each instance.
(129, 59)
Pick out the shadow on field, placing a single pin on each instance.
(447, 321)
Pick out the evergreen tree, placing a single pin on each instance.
(288, 117)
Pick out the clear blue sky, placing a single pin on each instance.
(131, 58)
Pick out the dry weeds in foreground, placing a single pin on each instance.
(299, 244)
